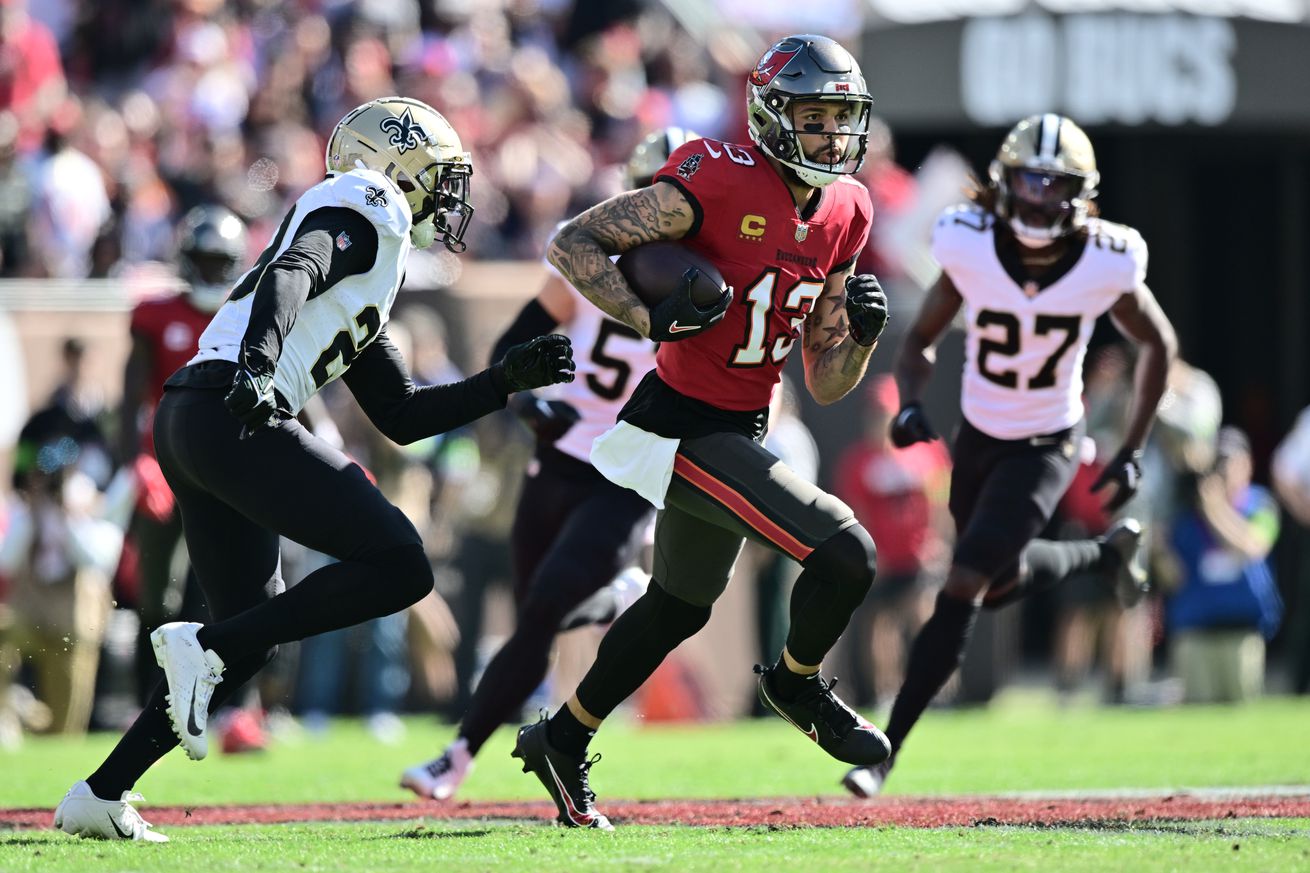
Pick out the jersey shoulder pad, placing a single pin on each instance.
(372, 195)
(1125, 246)
(956, 228)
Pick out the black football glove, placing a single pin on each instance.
(911, 426)
(546, 360)
(866, 307)
(251, 399)
(547, 419)
(677, 317)
(1125, 471)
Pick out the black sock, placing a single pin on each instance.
(568, 734)
(936, 652)
(1045, 564)
(787, 683)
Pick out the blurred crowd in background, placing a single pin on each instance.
(117, 117)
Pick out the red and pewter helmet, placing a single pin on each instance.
(807, 67)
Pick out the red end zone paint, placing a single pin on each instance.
(782, 812)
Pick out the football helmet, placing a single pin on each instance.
(211, 249)
(1045, 177)
(807, 67)
(653, 152)
(411, 144)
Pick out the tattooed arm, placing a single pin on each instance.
(582, 248)
(834, 361)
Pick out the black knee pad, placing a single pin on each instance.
(848, 559)
(406, 573)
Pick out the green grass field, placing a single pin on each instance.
(1022, 744)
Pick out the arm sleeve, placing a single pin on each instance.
(331, 243)
(532, 321)
(406, 413)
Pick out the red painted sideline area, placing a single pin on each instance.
(780, 812)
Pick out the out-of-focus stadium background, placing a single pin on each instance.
(117, 116)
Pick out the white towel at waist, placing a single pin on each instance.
(636, 459)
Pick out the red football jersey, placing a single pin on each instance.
(170, 327)
(775, 261)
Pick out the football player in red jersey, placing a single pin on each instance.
(784, 220)
(211, 249)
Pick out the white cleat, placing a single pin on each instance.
(440, 778)
(82, 814)
(192, 674)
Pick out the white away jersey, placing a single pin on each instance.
(332, 328)
(611, 359)
(1026, 342)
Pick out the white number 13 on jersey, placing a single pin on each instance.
(800, 299)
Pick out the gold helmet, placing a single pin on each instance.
(411, 144)
(653, 152)
(1045, 177)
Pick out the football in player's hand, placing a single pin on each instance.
(655, 270)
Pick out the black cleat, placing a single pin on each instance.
(1121, 543)
(565, 778)
(867, 781)
(825, 718)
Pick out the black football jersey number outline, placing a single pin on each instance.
(1009, 345)
(344, 346)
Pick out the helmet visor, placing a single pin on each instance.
(1042, 200)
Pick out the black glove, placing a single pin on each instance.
(547, 419)
(677, 317)
(911, 426)
(546, 360)
(251, 400)
(866, 307)
(1125, 471)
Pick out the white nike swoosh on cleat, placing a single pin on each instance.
(572, 811)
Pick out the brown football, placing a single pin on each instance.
(655, 270)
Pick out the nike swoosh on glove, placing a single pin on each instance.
(546, 360)
(677, 316)
(1125, 471)
(866, 307)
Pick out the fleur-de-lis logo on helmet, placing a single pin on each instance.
(405, 132)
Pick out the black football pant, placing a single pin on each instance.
(574, 530)
(236, 496)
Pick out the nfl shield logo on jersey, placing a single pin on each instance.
(1031, 289)
(343, 241)
(802, 231)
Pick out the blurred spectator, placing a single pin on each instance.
(15, 199)
(1291, 475)
(899, 496)
(70, 203)
(72, 410)
(31, 74)
(60, 547)
(1226, 604)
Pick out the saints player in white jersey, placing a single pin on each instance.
(313, 308)
(1033, 268)
(573, 529)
